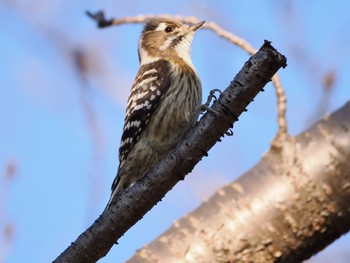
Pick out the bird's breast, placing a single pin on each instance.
(177, 112)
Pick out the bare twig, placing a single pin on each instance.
(234, 39)
(281, 109)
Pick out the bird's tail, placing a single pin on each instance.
(115, 190)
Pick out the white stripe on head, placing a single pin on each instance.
(161, 26)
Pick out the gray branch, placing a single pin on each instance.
(288, 207)
(132, 204)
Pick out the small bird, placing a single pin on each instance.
(164, 100)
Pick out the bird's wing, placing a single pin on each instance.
(151, 83)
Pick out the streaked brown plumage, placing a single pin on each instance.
(163, 102)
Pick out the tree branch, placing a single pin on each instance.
(288, 207)
(133, 203)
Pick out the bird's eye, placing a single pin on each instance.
(169, 29)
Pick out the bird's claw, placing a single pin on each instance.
(205, 107)
(211, 97)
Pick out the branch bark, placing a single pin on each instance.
(291, 205)
(133, 203)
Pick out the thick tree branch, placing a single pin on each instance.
(133, 203)
(288, 207)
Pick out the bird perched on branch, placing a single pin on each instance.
(164, 101)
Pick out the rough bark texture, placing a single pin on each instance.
(291, 205)
(133, 203)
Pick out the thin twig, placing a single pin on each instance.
(281, 104)
(234, 39)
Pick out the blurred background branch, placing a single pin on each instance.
(7, 224)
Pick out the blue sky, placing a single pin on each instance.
(62, 132)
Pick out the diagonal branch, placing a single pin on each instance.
(132, 204)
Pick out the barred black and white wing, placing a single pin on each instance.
(151, 83)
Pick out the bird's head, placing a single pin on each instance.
(166, 38)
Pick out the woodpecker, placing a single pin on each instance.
(164, 100)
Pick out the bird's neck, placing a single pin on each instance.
(145, 57)
(179, 59)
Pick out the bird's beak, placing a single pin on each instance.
(194, 27)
